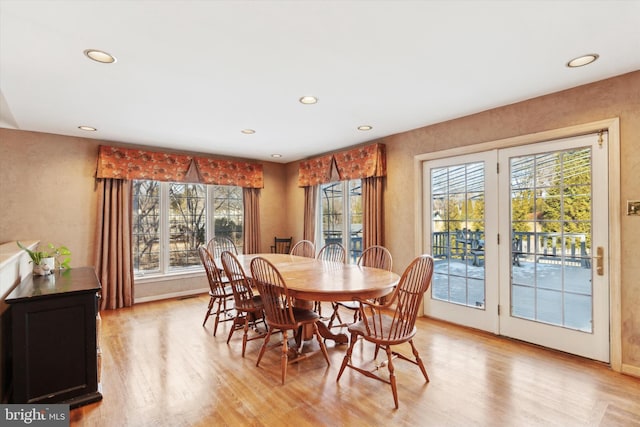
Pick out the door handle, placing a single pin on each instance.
(599, 257)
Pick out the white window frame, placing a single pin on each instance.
(164, 272)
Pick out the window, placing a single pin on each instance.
(341, 217)
(170, 221)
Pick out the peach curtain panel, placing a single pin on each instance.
(113, 243)
(357, 163)
(251, 202)
(372, 212)
(128, 163)
(309, 224)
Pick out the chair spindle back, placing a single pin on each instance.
(407, 299)
(281, 245)
(304, 248)
(278, 305)
(219, 244)
(333, 252)
(377, 257)
(212, 270)
(240, 284)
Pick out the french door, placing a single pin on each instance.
(463, 229)
(555, 288)
(340, 221)
(520, 239)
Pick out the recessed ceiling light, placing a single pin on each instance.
(276, 156)
(365, 127)
(87, 128)
(248, 131)
(582, 60)
(308, 100)
(100, 56)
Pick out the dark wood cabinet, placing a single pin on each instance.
(54, 339)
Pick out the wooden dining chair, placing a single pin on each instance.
(249, 307)
(331, 252)
(219, 244)
(374, 256)
(282, 315)
(304, 248)
(219, 290)
(281, 245)
(392, 323)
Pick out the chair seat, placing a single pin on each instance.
(303, 315)
(254, 304)
(228, 292)
(381, 334)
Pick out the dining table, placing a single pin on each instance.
(310, 279)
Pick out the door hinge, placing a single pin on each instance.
(498, 309)
(498, 238)
(498, 168)
(600, 139)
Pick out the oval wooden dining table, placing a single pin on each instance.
(310, 279)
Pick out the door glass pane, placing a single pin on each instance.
(355, 224)
(551, 238)
(331, 205)
(457, 237)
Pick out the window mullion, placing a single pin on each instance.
(210, 232)
(164, 227)
(346, 211)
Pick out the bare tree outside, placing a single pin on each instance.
(229, 214)
(146, 226)
(185, 224)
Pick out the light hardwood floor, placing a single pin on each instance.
(160, 367)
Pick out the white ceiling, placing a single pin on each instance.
(190, 75)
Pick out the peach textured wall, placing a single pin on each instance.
(295, 202)
(47, 191)
(275, 217)
(615, 97)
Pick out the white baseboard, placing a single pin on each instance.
(171, 295)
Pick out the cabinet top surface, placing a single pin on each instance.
(75, 280)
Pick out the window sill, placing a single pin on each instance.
(168, 276)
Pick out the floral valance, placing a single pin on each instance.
(357, 163)
(127, 163)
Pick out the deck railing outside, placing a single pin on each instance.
(527, 246)
(355, 244)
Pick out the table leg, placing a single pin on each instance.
(328, 335)
(307, 333)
